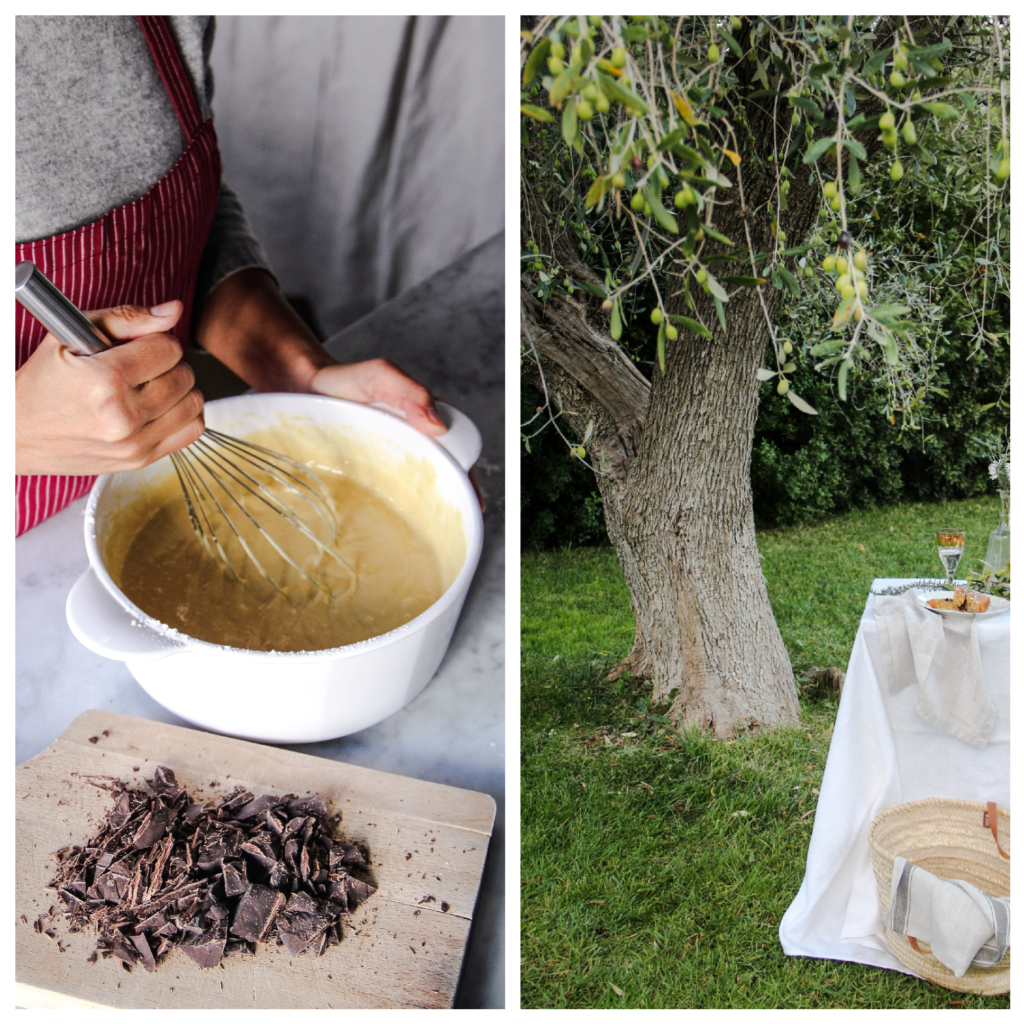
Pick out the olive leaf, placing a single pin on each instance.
(801, 404)
(537, 113)
(535, 60)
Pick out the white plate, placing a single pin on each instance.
(996, 605)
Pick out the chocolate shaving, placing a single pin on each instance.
(213, 878)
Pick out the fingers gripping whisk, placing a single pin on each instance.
(246, 501)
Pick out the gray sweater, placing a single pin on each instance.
(95, 129)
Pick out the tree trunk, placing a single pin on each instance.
(685, 537)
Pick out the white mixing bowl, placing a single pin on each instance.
(274, 697)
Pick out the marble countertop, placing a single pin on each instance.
(448, 332)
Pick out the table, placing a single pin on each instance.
(882, 754)
(449, 333)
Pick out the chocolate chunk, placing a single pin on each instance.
(256, 912)
(339, 890)
(151, 924)
(166, 785)
(121, 812)
(259, 855)
(148, 961)
(300, 903)
(279, 876)
(216, 849)
(208, 954)
(256, 807)
(359, 892)
(311, 805)
(124, 952)
(353, 858)
(153, 828)
(235, 882)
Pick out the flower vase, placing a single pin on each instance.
(998, 553)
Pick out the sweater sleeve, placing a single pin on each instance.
(230, 247)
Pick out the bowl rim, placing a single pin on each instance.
(455, 591)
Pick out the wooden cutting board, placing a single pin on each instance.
(427, 845)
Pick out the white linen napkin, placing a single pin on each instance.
(962, 924)
(942, 655)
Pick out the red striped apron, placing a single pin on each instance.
(143, 253)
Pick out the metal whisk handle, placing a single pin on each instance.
(55, 311)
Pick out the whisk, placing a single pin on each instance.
(228, 483)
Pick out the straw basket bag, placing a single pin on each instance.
(951, 839)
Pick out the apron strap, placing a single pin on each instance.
(173, 72)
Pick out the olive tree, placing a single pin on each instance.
(711, 163)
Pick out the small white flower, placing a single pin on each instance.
(993, 470)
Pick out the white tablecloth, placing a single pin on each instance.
(882, 754)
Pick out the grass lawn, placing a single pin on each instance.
(655, 867)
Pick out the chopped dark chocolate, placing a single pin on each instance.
(235, 882)
(256, 912)
(213, 878)
(121, 812)
(208, 954)
(145, 952)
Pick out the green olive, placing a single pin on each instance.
(657, 316)
(860, 260)
(896, 171)
(887, 121)
(671, 333)
(713, 54)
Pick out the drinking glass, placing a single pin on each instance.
(951, 549)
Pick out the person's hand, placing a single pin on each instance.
(115, 410)
(379, 380)
(249, 326)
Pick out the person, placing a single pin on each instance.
(119, 201)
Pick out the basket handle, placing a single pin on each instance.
(916, 948)
(990, 820)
